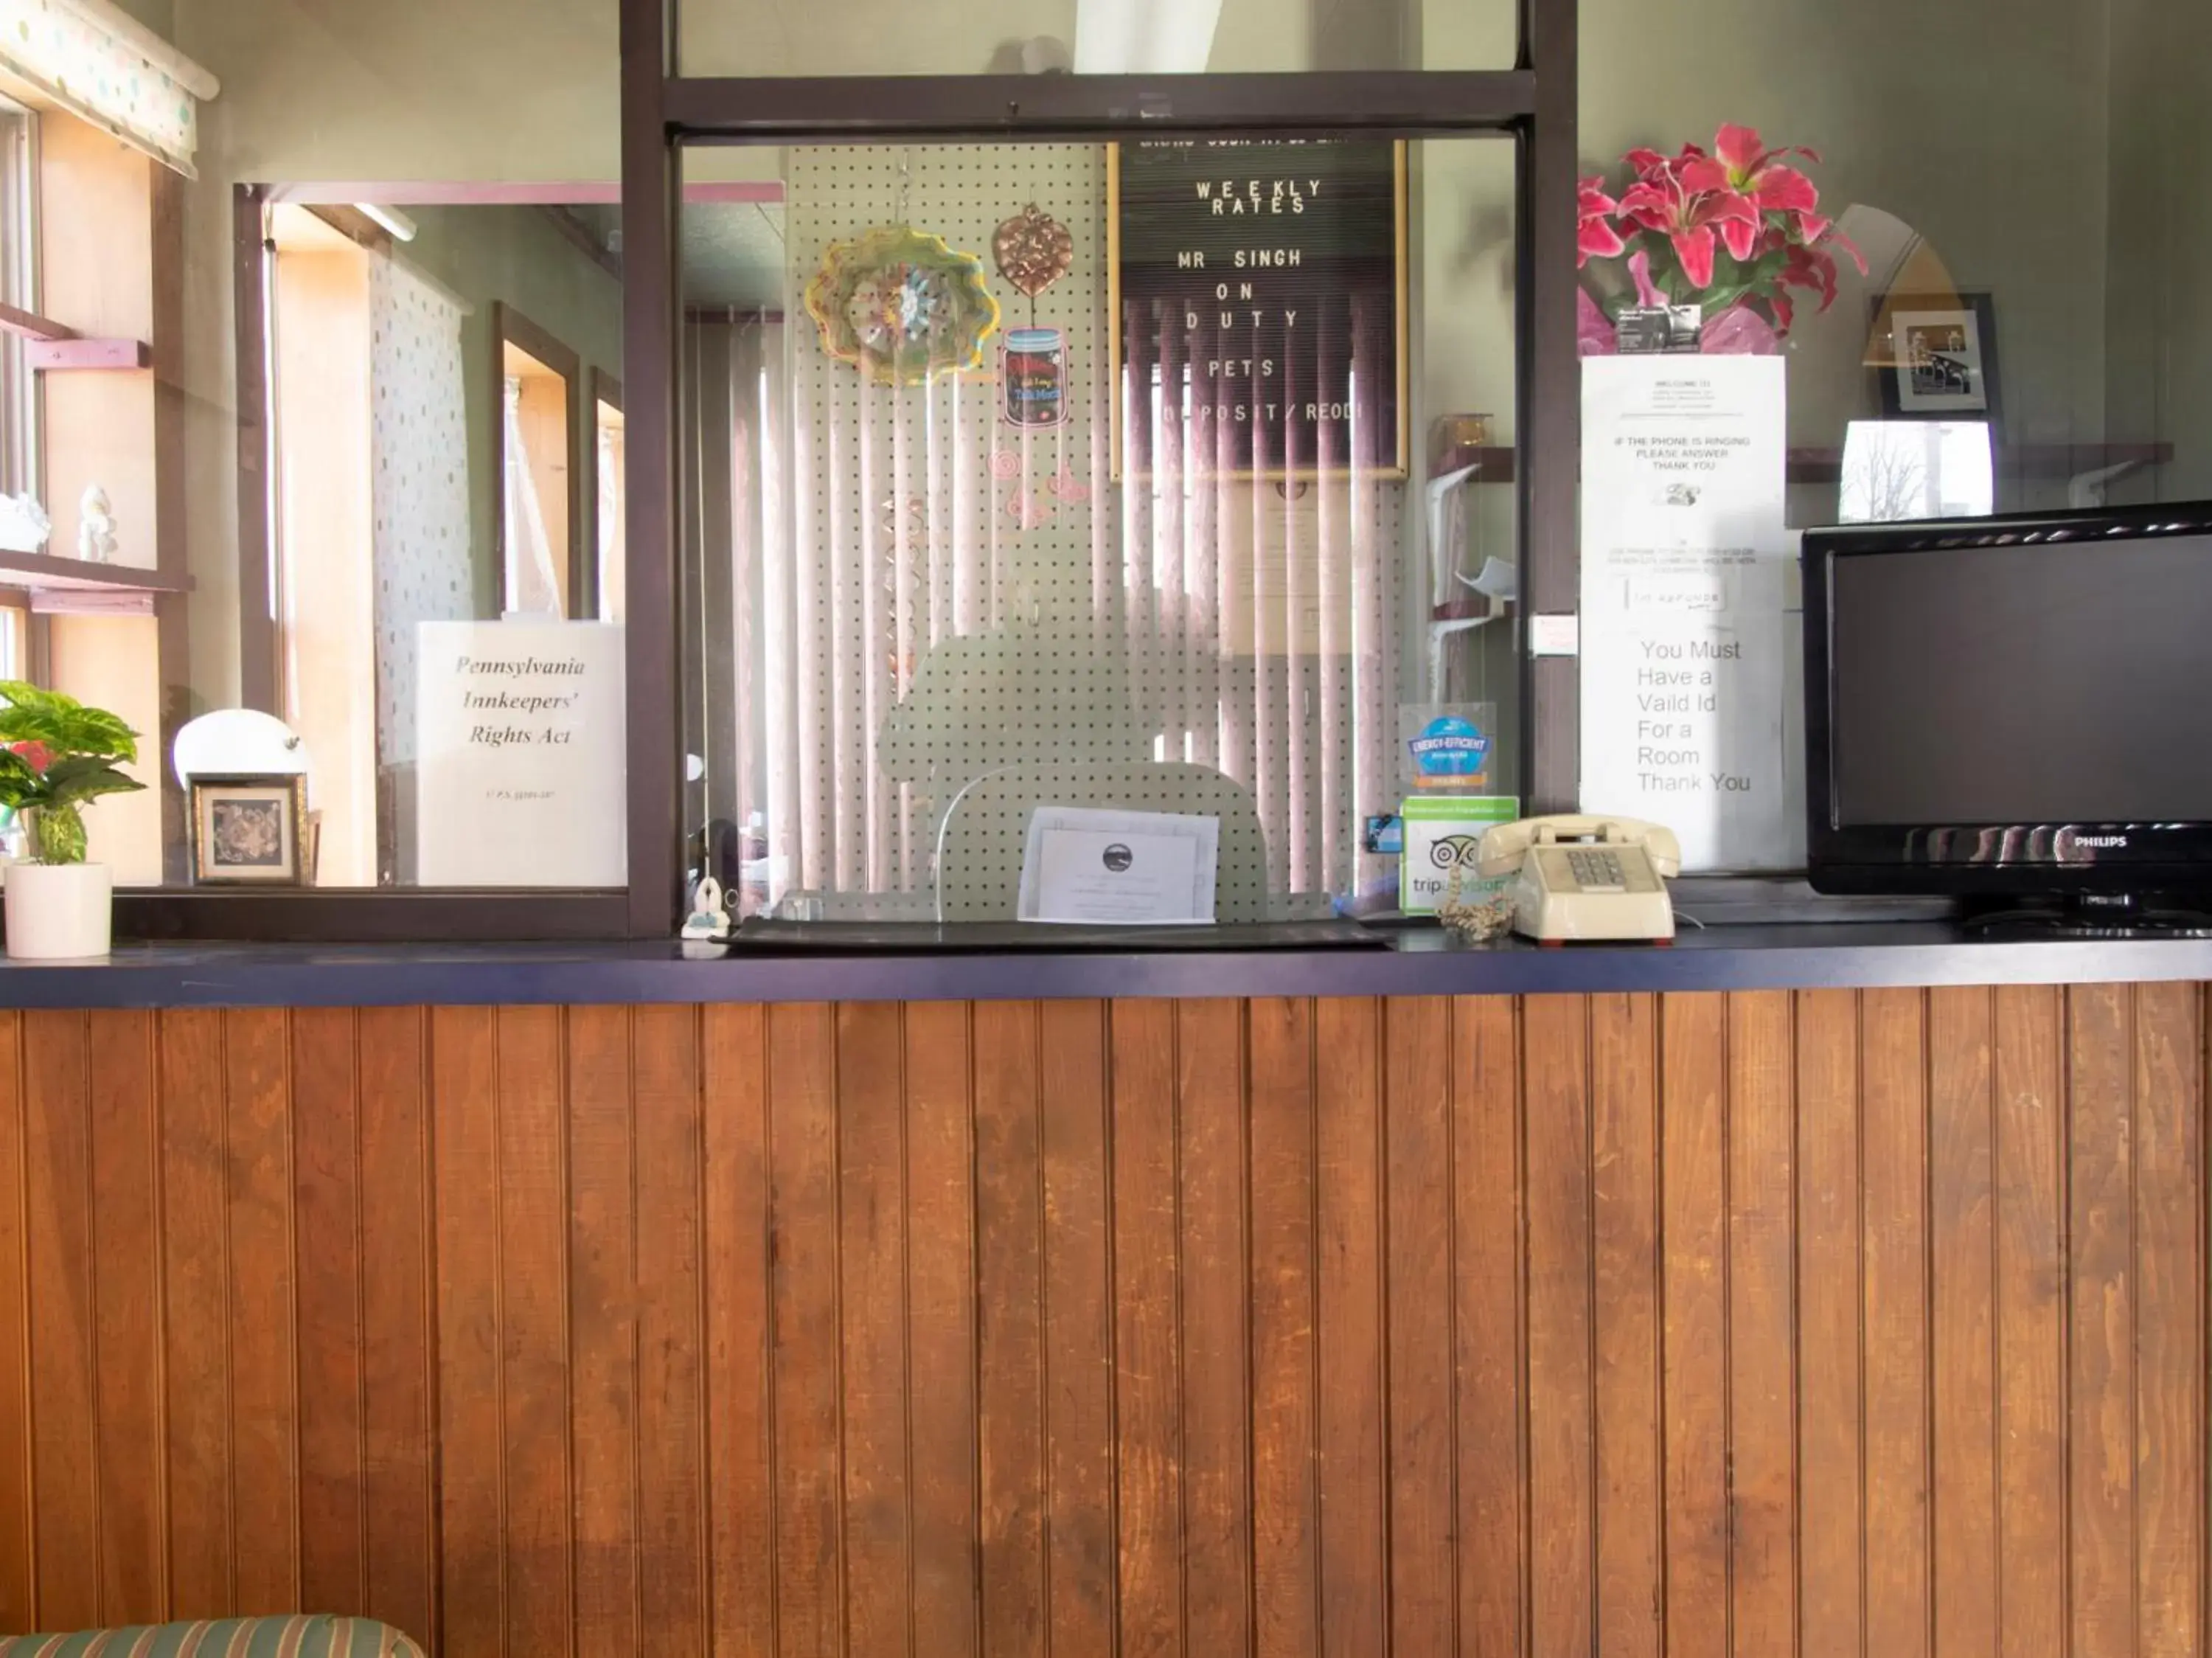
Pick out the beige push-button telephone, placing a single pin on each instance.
(1584, 878)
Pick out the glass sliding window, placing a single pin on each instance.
(1173, 478)
(1097, 37)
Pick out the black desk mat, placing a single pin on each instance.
(1019, 937)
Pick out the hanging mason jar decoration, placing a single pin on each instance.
(1033, 378)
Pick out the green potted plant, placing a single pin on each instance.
(55, 755)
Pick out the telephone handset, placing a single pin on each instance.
(1586, 878)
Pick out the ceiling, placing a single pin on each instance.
(732, 252)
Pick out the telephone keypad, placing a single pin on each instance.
(1596, 870)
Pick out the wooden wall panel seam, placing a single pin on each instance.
(1660, 1424)
(432, 1377)
(92, 1302)
(17, 1104)
(498, 1314)
(1859, 1160)
(636, 1342)
(1996, 1334)
(30, 1326)
(164, 1578)
(1727, 1241)
(1595, 1304)
(1113, 1320)
(228, 1271)
(2061, 1011)
(1525, 1622)
(1182, 1357)
(1313, 1247)
(770, 1378)
(566, 1187)
(1452, 1255)
(1044, 1337)
(360, 1312)
(2203, 1335)
(695, 1024)
(1796, 1325)
(289, 1081)
(840, 1577)
(905, 1334)
(975, 1326)
(1928, 1333)
(2137, 1152)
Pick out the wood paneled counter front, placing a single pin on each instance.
(1628, 1318)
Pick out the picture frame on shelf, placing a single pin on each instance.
(250, 831)
(1937, 357)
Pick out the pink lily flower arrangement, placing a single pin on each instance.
(1734, 230)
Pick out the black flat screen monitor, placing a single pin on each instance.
(2016, 707)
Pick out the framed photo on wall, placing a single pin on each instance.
(250, 832)
(1257, 301)
(1940, 362)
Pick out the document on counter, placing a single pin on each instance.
(1119, 868)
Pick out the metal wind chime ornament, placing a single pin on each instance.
(1033, 250)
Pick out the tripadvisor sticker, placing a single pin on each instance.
(1447, 746)
(1444, 836)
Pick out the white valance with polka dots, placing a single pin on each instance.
(100, 63)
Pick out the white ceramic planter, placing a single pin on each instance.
(58, 912)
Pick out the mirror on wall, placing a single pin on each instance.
(446, 452)
(443, 458)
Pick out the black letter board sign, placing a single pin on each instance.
(1264, 283)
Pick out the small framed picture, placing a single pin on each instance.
(1941, 362)
(250, 831)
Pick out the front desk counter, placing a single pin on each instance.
(585, 1299)
(1416, 962)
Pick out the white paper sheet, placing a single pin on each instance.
(1684, 553)
(1083, 867)
(520, 742)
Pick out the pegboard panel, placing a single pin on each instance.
(963, 600)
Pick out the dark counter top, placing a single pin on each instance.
(1417, 963)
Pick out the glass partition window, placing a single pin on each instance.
(265, 386)
(1064, 552)
(437, 527)
(1097, 37)
(1156, 479)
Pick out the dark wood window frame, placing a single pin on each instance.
(1533, 105)
(602, 389)
(509, 326)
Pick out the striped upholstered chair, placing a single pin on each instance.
(317, 1636)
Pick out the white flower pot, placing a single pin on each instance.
(58, 912)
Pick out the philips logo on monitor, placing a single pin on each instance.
(2101, 842)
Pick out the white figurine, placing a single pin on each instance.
(24, 526)
(706, 927)
(95, 531)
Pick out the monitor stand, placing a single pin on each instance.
(2099, 915)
